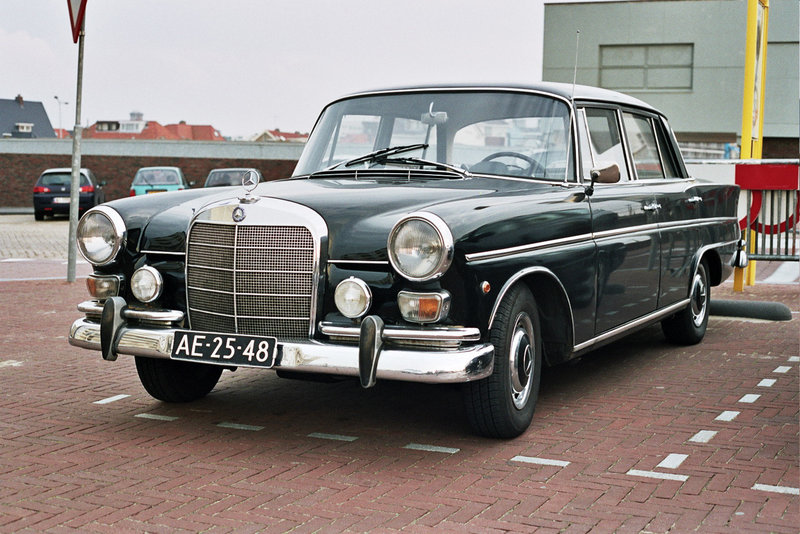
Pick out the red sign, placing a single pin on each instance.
(77, 9)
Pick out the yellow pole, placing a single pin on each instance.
(753, 107)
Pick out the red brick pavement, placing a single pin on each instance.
(69, 464)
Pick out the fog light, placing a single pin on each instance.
(353, 297)
(102, 287)
(146, 284)
(423, 307)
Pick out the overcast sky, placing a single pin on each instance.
(245, 66)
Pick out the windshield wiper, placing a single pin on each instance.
(420, 161)
(378, 155)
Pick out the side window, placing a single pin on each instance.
(605, 139)
(644, 149)
(667, 148)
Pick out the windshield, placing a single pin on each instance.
(157, 177)
(60, 179)
(487, 132)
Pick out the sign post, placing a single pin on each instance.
(755, 69)
(77, 10)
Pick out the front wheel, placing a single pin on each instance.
(502, 405)
(688, 327)
(174, 381)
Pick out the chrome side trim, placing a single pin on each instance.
(163, 253)
(522, 249)
(428, 366)
(669, 310)
(359, 262)
(572, 240)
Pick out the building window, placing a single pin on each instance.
(653, 67)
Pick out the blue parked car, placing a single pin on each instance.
(157, 180)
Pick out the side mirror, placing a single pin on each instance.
(606, 172)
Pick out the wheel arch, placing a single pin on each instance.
(557, 323)
(713, 262)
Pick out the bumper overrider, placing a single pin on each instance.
(151, 334)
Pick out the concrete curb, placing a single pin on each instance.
(770, 311)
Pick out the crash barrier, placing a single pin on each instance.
(772, 193)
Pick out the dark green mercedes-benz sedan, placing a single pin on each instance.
(447, 234)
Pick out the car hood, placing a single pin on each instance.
(358, 213)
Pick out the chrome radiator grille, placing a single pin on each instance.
(256, 280)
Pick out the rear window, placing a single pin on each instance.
(157, 177)
(60, 179)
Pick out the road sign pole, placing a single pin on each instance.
(72, 250)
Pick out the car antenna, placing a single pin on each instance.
(575, 70)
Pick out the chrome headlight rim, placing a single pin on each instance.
(365, 291)
(446, 243)
(157, 284)
(118, 230)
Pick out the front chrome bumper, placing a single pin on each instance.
(463, 364)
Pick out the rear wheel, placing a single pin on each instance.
(502, 405)
(38, 215)
(174, 381)
(688, 326)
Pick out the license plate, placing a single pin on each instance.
(224, 349)
(61, 200)
(156, 191)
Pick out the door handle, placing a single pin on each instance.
(653, 206)
(694, 200)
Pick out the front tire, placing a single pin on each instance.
(688, 327)
(502, 405)
(174, 381)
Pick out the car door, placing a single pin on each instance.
(678, 203)
(624, 225)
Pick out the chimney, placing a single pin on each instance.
(20, 101)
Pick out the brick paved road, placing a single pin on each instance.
(641, 436)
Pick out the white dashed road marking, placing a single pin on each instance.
(767, 383)
(654, 474)
(673, 461)
(155, 417)
(750, 398)
(539, 461)
(777, 489)
(782, 369)
(704, 436)
(115, 398)
(727, 415)
(237, 426)
(335, 437)
(11, 363)
(431, 448)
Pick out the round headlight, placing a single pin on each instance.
(146, 284)
(421, 247)
(100, 234)
(352, 297)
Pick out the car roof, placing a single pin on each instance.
(159, 167)
(563, 90)
(64, 169)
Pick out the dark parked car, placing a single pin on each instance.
(51, 194)
(432, 234)
(223, 177)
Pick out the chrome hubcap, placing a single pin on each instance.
(699, 300)
(520, 360)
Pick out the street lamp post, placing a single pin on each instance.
(60, 103)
